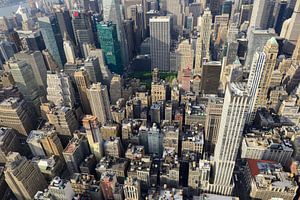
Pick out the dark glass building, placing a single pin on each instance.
(107, 34)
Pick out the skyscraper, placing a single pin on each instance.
(25, 81)
(184, 57)
(23, 177)
(91, 125)
(52, 38)
(69, 50)
(176, 9)
(99, 102)
(205, 22)
(38, 66)
(256, 39)
(91, 65)
(63, 19)
(60, 90)
(291, 27)
(45, 143)
(211, 77)
(9, 141)
(160, 42)
(262, 75)
(261, 14)
(83, 82)
(112, 12)
(115, 90)
(108, 38)
(229, 137)
(254, 81)
(16, 113)
(82, 29)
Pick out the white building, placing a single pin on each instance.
(160, 42)
(231, 127)
(60, 90)
(254, 78)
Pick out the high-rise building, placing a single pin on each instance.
(115, 90)
(16, 113)
(63, 19)
(33, 41)
(160, 42)
(45, 143)
(128, 28)
(52, 38)
(111, 47)
(23, 177)
(261, 14)
(184, 57)
(256, 40)
(296, 52)
(83, 83)
(254, 82)
(64, 121)
(155, 140)
(91, 65)
(211, 77)
(291, 27)
(112, 12)
(203, 42)
(76, 151)
(25, 81)
(69, 50)
(38, 66)
(6, 51)
(212, 123)
(229, 137)
(99, 102)
(60, 90)
(82, 29)
(176, 9)
(49, 61)
(91, 125)
(260, 76)
(215, 7)
(9, 142)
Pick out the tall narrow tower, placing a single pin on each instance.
(270, 51)
(231, 127)
(254, 80)
(205, 33)
(83, 82)
(160, 42)
(112, 12)
(99, 102)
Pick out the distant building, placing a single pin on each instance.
(108, 37)
(160, 42)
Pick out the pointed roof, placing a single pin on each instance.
(273, 41)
